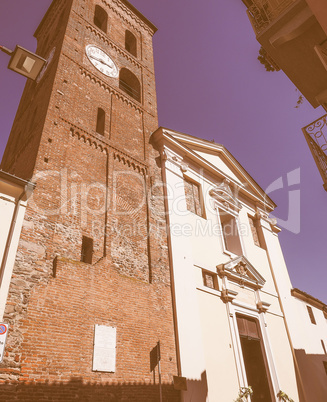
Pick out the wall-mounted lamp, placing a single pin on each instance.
(24, 62)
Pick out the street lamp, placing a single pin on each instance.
(24, 62)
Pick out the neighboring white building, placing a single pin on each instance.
(14, 193)
(229, 275)
(307, 320)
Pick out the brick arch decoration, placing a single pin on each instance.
(118, 155)
(118, 49)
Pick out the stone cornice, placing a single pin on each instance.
(171, 156)
(228, 295)
(263, 306)
(299, 294)
(260, 214)
(223, 195)
(133, 13)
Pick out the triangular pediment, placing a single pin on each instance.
(241, 271)
(216, 159)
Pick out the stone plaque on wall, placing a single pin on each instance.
(104, 353)
(3, 338)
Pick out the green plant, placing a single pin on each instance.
(299, 101)
(243, 394)
(267, 61)
(284, 397)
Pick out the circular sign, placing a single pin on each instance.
(101, 61)
(3, 329)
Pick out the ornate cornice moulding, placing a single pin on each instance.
(240, 271)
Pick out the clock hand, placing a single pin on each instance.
(101, 61)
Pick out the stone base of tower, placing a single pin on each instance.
(76, 390)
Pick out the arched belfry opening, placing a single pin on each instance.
(100, 18)
(131, 43)
(130, 84)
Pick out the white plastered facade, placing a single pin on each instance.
(210, 351)
(309, 339)
(13, 196)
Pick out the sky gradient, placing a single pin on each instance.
(210, 85)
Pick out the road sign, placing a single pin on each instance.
(180, 383)
(155, 356)
(3, 338)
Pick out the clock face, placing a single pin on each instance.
(101, 61)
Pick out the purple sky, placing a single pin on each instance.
(210, 85)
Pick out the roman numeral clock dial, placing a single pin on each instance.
(102, 61)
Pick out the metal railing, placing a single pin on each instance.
(263, 12)
(316, 136)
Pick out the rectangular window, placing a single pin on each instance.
(254, 230)
(312, 317)
(231, 238)
(210, 280)
(193, 197)
(101, 121)
(87, 250)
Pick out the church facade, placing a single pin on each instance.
(228, 271)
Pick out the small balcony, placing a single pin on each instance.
(263, 12)
(293, 33)
(316, 136)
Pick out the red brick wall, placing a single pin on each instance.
(95, 186)
(21, 151)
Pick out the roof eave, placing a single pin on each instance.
(299, 294)
(125, 2)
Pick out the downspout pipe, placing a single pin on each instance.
(297, 368)
(169, 240)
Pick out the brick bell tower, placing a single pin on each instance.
(90, 294)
